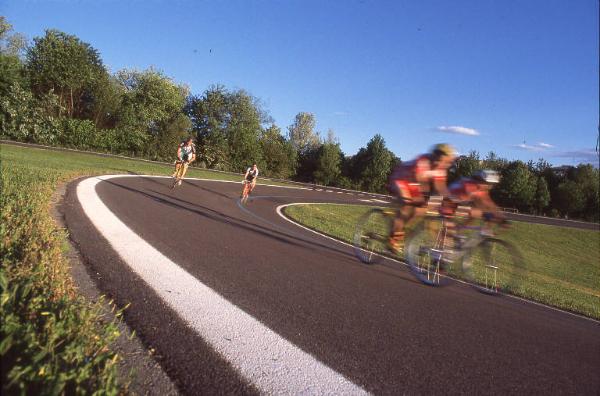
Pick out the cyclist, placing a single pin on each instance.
(186, 154)
(412, 183)
(250, 178)
(474, 192)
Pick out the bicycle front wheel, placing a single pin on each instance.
(494, 266)
(427, 253)
(371, 235)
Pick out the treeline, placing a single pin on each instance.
(537, 187)
(57, 91)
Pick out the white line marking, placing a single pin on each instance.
(379, 200)
(365, 200)
(271, 363)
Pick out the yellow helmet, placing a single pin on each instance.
(443, 149)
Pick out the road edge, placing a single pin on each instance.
(138, 370)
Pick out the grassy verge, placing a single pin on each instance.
(562, 264)
(52, 341)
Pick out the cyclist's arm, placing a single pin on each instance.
(179, 153)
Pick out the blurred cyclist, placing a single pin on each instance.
(413, 182)
(186, 154)
(474, 192)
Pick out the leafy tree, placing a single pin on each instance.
(151, 109)
(493, 162)
(302, 134)
(328, 164)
(244, 131)
(372, 165)
(11, 66)
(209, 115)
(279, 155)
(570, 198)
(465, 166)
(229, 128)
(517, 187)
(588, 179)
(542, 195)
(64, 64)
(25, 118)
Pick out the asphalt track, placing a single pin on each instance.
(374, 325)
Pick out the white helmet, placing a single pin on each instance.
(487, 176)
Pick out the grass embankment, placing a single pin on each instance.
(52, 341)
(562, 264)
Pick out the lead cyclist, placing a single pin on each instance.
(186, 154)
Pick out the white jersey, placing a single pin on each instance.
(187, 151)
(252, 174)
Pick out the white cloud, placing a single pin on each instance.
(535, 147)
(528, 147)
(461, 130)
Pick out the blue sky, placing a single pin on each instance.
(516, 77)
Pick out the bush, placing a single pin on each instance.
(52, 342)
(27, 119)
(79, 134)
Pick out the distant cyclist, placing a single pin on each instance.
(413, 182)
(250, 180)
(186, 154)
(475, 193)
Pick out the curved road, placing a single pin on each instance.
(374, 326)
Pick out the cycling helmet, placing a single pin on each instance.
(486, 176)
(443, 149)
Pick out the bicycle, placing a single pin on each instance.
(489, 264)
(246, 190)
(372, 234)
(373, 231)
(179, 173)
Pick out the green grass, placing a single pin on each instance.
(562, 265)
(52, 340)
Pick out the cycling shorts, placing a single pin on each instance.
(408, 193)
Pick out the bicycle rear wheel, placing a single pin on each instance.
(494, 266)
(427, 254)
(371, 235)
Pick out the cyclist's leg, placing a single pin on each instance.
(251, 186)
(177, 166)
(409, 200)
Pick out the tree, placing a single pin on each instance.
(465, 166)
(517, 187)
(11, 66)
(372, 165)
(493, 162)
(64, 64)
(229, 128)
(25, 118)
(302, 134)
(209, 116)
(588, 179)
(328, 164)
(570, 198)
(542, 196)
(151, 111)
(278, 153)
